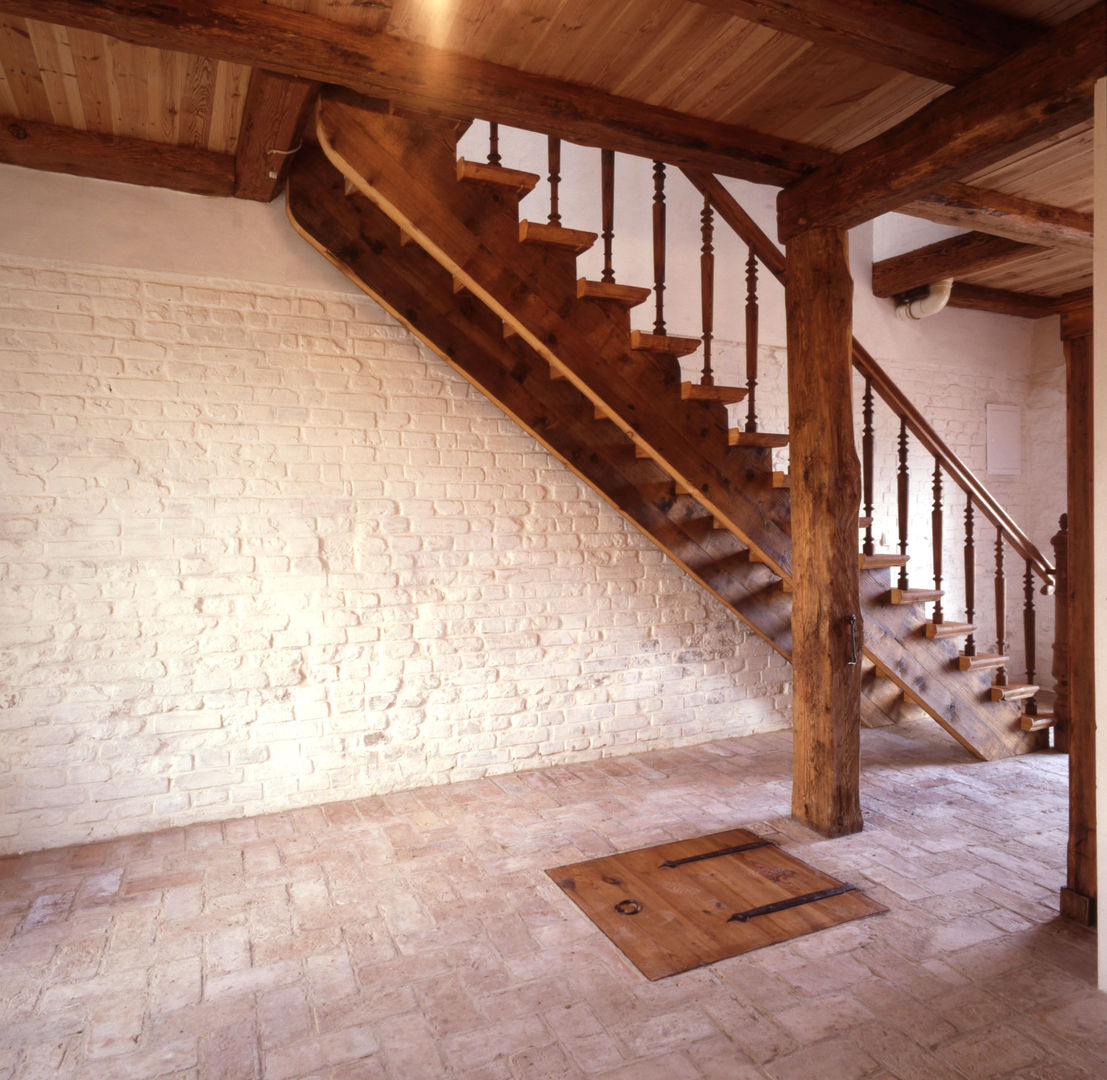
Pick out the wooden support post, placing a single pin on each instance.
(827, 631)
(1078, 896)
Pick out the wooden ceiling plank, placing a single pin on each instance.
(37, 145)
(1000, 301)
(55, 61)
(92, 78)
(1041, 90)
(950, 258)
(945, 40)
(1001, 214)
(21, 64)
(277, 107)
(198, 98)
(417, 76)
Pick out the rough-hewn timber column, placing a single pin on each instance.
(1078, 896)
(826, 500)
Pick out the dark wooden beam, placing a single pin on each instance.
(951, 258)
(273, 118)
(1044, 89)
(1078, 896)
(419, 77)
(945, 40)
(1000, 214)
(1001, 301)
(827, 632)
(115, 157)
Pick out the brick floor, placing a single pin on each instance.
(416, 936)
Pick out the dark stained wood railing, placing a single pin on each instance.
(553, 158)
(607, 195)
(707, 288)
(494, 157)
(659, 247)
(955, 469)
(751, 341)
(970, 577)
(867, 448)
(903, 498)
(936, 538)
(1001, 609)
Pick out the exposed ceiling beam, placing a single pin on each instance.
(1044, 89)
(1004, 215)
(1001, 301)
(115, 157)
(945, 40)
(272, 124)
(417, 76)
(951, 258)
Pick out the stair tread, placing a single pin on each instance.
(781, 480)
(1038, 722)
(1013, 691)
(540, 232)
(762, 439)
(981, 661)
(663, 343)
(948, 629)
(726, 395)
(915, 596)
(482, 172)
(882, 560)
(626, 295)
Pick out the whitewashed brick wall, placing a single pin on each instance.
(260, 549)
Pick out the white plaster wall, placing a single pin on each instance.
(261, 549)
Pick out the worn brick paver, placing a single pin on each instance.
(416, 936)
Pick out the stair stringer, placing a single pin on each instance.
(922, 670)
(382, 155)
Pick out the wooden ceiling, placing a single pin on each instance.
(962, 112)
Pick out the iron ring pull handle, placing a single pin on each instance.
(852, 620)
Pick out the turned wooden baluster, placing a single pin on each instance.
(936, 538)
(867, 466)
(553, 156)
(607, 192)
(1001, 610)
(1029, 622)
(902, 487)
(707, 288)
(659, 245)
(494, 143)
(1061, 636)
(970, 578)
(751, 342)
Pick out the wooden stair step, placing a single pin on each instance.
(762, 439)
(948, 629)
(725, 395)
(1013, 692)
(882, 560)
(627, 296)
(1038, 721)
(539, 232)
(781, 480)
(981, 662)
(481, 172)
(915, 596)
(663, 343)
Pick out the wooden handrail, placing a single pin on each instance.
(774, 259)
(985, 501)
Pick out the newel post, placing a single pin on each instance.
(827, 631)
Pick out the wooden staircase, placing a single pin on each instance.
(439, 243)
